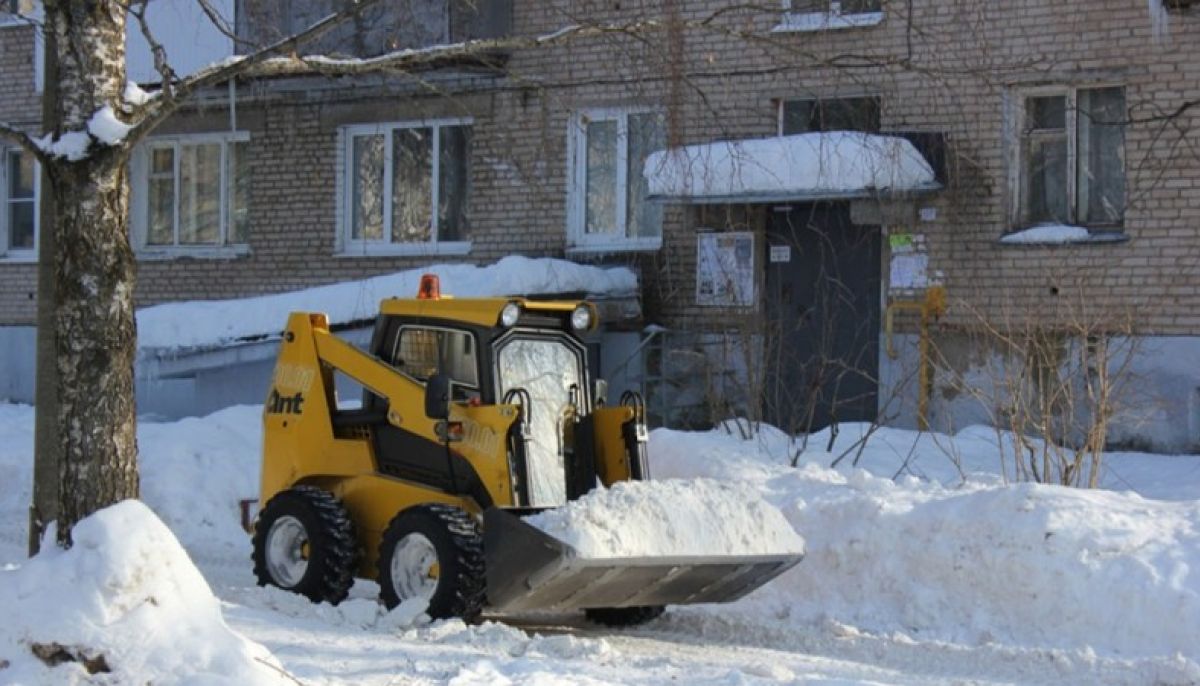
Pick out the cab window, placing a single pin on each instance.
(418, 349)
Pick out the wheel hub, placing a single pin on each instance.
(415, 568)
(287, 551)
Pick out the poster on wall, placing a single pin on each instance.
(725, 269)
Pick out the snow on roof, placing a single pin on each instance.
(211, 323)
(190, 38)
(810, 165)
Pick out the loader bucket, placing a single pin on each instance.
(528, 569)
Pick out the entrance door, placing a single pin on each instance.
(823, 317)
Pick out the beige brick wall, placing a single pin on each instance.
(939, 65)
(21, 106)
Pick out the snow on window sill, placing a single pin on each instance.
(1061, 234)
(19, 257)
(365, 249)
(801, 22)
(614, 246)
(205, 252)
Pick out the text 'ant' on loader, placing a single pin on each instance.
(475, 413)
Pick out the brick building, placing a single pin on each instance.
(801, 303)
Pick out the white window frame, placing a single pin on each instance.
(140, 174)
(801, 22)
(347, 245)
(1016, 166)
(8, 254)
(578, 239)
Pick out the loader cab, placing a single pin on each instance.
(511, 352)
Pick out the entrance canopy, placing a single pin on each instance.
(810, 166)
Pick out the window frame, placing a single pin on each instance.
(7, 253)
(1018, 160)
(831, 19)
(578, 239)
(139, 219)
(346, 244)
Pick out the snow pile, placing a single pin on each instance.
(210, 323)
(106, 127)
(196, 471)
(1025, 565)
(804, 165)
(126, 602)
(670, 518)
(1048, 233)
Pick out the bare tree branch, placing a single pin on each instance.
(27, 143)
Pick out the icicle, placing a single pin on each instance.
(1160, 24)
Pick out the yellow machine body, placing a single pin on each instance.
(388, 456)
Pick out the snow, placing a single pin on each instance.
(127, 594)
(106, 127)
(72, 146)
(943, 575)
(677, 518)
(969, 563)
(804, 165)
(190, 38)
(1048, 233)
(134, 95)
(199, 324)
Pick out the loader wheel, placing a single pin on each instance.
(623, 616)
(304, 542)
(433, 552)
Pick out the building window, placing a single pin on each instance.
(608, 209)
(192, 194)
(1072, 159)
(822, 15)
(395, 176)
(834, 114)
(21, 181)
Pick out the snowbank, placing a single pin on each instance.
(1024, 565)
(804, 165)
(676, 518)
(199, 324)
(127, 602)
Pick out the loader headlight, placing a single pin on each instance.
(582, 319)
(510, 314)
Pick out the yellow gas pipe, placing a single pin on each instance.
(932, 307)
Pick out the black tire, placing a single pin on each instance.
(458, 547)
(328, 547)
(624, 616)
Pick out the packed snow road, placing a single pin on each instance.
(952, 577)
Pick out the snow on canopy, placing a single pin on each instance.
(810, 165)
(126, 602)
(1048, 233)
(201, 324)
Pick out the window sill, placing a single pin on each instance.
(19, 257)
(621, 246)
(353, 250)
(806, 22)
(1017, 240)
(227, 252)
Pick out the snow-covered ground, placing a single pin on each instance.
(941, 575)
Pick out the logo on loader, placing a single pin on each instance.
(285, 404)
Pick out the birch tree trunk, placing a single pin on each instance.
(93, 262)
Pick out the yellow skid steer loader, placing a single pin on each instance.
(476, 412)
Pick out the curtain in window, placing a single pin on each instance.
(1100, 156)
(601, 197)
(367, 198)
(1044, 177)
(412, 190)
(200, 194)
(454, 183)
(647, 134)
